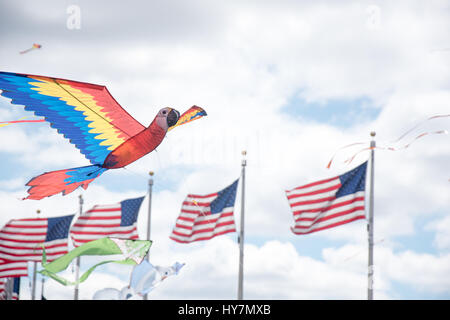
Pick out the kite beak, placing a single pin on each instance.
(172, 117)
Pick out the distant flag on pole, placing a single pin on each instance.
(22, 239)
(329, 203)
(117, 221)
(204, 217)
(10, 268)
(4, 288)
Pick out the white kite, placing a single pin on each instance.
(144, 278)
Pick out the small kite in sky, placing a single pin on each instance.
(88, 115)
(145, 277)
(34, 47)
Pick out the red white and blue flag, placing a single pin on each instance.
(10, 268)
(14, 293)
(329, 203)
(204, 217)
(118, 221)
(22, 239)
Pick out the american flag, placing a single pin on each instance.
(22, 239)
(10, 268)
(4, 282)
(328, 203)
(204, 217)
(117, 220)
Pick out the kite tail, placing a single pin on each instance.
(64, 181)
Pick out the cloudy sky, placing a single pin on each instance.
(290, 82)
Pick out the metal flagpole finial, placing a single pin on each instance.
(244, 153)
(150, 181)
(372, 143)
(38, 211)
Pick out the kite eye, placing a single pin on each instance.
(164, 112)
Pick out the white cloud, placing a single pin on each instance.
(422, 271)
(441, 227)
(251, 63)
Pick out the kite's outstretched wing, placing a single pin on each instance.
(84, 113)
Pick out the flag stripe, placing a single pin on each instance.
(206, 224)
(37, 235)
(104, 233)
(195, 196)
(313, 184)
(33, 246)
(29, 239)
(328, 226)
(201, 228)
(329, 184)
(308, 222)
(219, 227)
(198, 237)
(335, 206)
(329, 205)
(13, 268)
(99, 216)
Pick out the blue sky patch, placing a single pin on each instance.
(336, 112)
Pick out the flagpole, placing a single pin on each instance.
(241, 234)
(42, 288)
(370, 224)
(9, 288)
(33, 288)
(150, 187)
(78, 262)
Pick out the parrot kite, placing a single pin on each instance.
(92, 120)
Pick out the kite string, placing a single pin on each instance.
(7, 123)
(359, 251)
(349, 160)
(391, 148)
(344, 147)
(419, 124)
